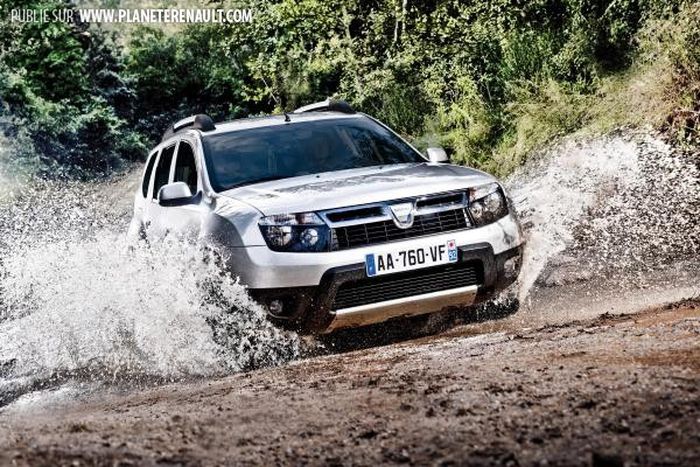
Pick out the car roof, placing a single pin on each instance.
(259, 122)
(274, 120)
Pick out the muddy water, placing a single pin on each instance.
(609, 222)
(80, 306)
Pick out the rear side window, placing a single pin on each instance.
(186, 167)
(147, 174)
(163, 169)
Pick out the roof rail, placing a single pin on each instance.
(195, 122)
(329, 105)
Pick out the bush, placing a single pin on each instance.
(671, 47)
(62, 86)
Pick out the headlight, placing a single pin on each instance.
(295, 232)
(487, 204)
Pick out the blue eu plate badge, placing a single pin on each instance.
(452, 251)
(370, 265)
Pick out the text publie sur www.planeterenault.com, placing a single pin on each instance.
(132, 15)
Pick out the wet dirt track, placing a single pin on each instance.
(593, 369)
(611, 390)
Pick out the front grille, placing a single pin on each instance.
(386, 231)
(408, 284)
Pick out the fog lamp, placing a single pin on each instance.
(276, 307)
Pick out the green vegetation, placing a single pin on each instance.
(61, 88)
(490, 81)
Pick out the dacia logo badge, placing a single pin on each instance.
(403, 214)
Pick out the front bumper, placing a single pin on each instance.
(258, 267)
(315, 309)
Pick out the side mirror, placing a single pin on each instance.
(437, 155)
(175, 194)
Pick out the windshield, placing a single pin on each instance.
(300, 148)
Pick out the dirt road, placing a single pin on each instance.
(609, 391)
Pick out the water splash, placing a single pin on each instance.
(617, 206)
(79, 301)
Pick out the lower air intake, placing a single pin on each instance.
(408, 284)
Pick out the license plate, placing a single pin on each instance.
(378, 264)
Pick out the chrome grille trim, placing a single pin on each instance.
(433, 214)
(384, 207)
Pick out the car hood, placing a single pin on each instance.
(356, 186)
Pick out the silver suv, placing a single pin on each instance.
(329, 217)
